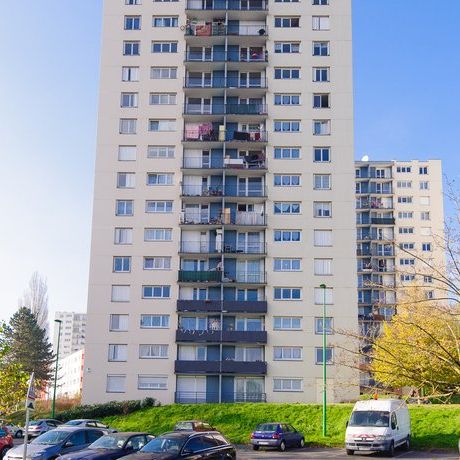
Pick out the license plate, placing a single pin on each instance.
(264, 443)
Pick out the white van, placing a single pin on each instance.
(378, 425)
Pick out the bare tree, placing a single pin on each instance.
(35, 298)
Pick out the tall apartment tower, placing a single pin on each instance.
(73, 332)
(223, 200)
(399, 218)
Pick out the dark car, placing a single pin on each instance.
(278, 435)
(111, 447)
(59, 441)
(193, 425)
(89, 423)
(186, 445)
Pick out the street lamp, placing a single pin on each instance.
(323, 287)
(53, 407)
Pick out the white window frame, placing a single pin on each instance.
(148, 351)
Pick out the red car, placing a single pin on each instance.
(6, 442)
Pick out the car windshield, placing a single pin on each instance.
(51, 437)
(73, 422)
(267, 427)
(165, 444)
(369, 418)
(109, 442)
(35, 422)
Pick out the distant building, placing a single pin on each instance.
(70, 375)
(73, 331)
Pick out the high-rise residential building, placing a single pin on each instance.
(73, 332)
(400, 227)
(223, 201)
(70, 375)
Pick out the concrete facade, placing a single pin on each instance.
(70, 375)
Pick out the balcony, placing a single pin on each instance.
(253, 85)
(217, 367)
(229, 306)
(244, 277)
(382, 221)
(215, 192)
(192, 276)
(211, 32)
(218, 336)
(231, 220)
(215, 276)
(193, 397)
(232, 138)
(200, 247)
(251, 59)
(215, 112)
(254, 161)
(231, 5)
(363, 252)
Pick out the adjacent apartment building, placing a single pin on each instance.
(73, 332)
(400, 224)
(223, 200)
(70, 375)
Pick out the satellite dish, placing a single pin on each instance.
(365, 158)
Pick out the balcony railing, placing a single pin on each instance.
(197, 397)
(212, 135)
(199, 247)
(382, 221)
(245, 277)
(228, 367)
(223, 82)
(218, 336)
(219, 190)
(237, 5)
(201, 190)
(218, 29)
(241, 218)
(193, 276)
(252, 161)
(373, 205)
(228, 109)
(215, 276)
(221, 56)
(230, 306)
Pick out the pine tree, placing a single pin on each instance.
(29, 346)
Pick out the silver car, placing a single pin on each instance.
(38, 427)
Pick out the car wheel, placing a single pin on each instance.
(406, 445)
(3, 452)
(350, 452)
(302, 443)
(18, 434)
(282, 446)
(254, 447)
(391, 450)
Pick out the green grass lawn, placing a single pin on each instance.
(432, 426)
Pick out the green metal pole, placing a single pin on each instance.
(323, 287)
(53, 408)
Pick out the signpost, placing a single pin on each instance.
(30, 406)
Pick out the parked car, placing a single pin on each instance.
(51, 444)
(193, 425)
(38, 427)
(378, 425)
(186, 445)
(278, 435)
(89, 423)
(111, 447)
(6, 442)
(14, 430)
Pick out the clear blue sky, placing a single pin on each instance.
(406, 57)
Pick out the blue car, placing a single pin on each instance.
(277, 435)
(53, 443)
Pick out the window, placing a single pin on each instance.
(126, 180)
(130, 73)
(427, 279)
(321, 23)
(163, 99)
(407, 277)
(423, 170)
(158, 206)
(123, 235)
(287, 323)
(127, 152)
(406, 261)
(160, 151)
(321, 127)
(128, 126)
(157, 234)
(131, 48)
(287, 235)
(320, 48)
(287, 353)
(164, 47)
(122, 264)
(320, 2)
(406, 230)
(323, 266)
(168, 21)
(118, 352)
(152, 382)
(287, 99)
(322, 238)
(124, 208)
(319, 326)
(287, 73)
(404, 184)
(321, 154)
(153, 351)
(281, 384)
(287, 153)
(323, 295)
(132, 22)
(407, 246)
(154, 321)
(405, 215)
(286, 265)
(322, 181)
(285, 21)
(162, 125)
(319, 355)
(321, 74)
(118, 323)
(132, 2)
(163, 73)
(160, 178)
(322, 209)
(116, 383)
(156, 292)
(157, 263)
(424, 185)
(404, 199)
(425, 215)
(429, 295)
(285, 180)
(280, 293)
(425, 231)
(426, 247)
(287, 47)
(286, 208)
(425, 200)
(120, 293)
(403, 169)
(287, 126)
(321, 101)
